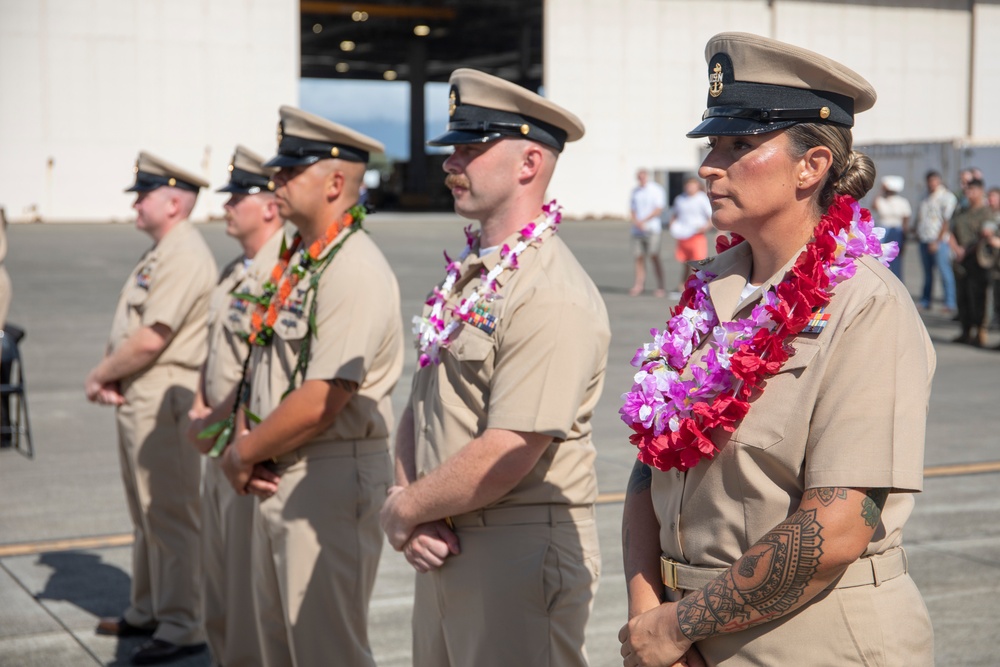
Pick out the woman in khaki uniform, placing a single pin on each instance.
(780, 416)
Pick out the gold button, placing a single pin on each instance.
(334, 152)
(270, 186)
(525, 129)
(230, 166)
(824, 112)
(172, 182)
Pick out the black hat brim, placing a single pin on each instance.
(455, 137)
(725, 126)
(237, 189)
(280, 160)
(144, 187)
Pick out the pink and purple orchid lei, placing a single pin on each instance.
(673, 412)
(434, 330)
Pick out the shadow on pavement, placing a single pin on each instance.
(96, 587)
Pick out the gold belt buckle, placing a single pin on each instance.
(668, 572)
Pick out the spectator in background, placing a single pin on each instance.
(690, 219)
(971, 279)
(894, 213)
(964, 176)
(988, 251)
(647, 204)
(933, 233)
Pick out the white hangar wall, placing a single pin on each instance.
(634, 71)
(86, 84)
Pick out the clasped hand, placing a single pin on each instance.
(104, 393)
(654, 639)
(426, 546)
(247, 477)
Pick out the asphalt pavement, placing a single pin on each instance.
(64, 526)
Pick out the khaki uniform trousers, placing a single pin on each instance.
(316, 547)
(519, 593)
(226, 530)
(161, 471)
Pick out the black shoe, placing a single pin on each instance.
(119, 627)
(156, 651)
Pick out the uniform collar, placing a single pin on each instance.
(489, 262)
(732, 268)
(267, 255)
(176, 235)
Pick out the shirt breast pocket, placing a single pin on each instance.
(291, 326)
(467, 381)
(471, 344)
(236, 316)
(771, 412)
(136, 298)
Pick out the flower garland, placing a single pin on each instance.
(672, 417)
(262, 320)
(433, 332)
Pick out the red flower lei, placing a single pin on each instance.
(807, 286)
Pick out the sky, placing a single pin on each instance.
(379, 109)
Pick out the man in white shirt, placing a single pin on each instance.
(648, 201)
(933, 232)
(894, 213)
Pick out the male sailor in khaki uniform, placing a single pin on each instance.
(5, 299)
(328, 353)
(227, 518)
(5, 291)
(494, 503)
(150, 372)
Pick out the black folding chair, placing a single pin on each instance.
(15, 427)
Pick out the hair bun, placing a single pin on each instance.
(858, 176)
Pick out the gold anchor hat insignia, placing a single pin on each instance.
(715, 81)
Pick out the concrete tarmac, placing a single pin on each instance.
(55, 583)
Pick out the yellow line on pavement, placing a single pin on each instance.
(125, 539)
(70, 544)
(962, 469)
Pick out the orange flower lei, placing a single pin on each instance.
(262, 320)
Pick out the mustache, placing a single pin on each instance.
(456, 181)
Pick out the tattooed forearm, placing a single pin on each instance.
(641, 478)
(871, 506)
(826, 495)
(768, 581)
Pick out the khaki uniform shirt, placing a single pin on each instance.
(358, 337)
(540, 371)
(848, 409)
(229, 319)
(170, 285)
(5, 291)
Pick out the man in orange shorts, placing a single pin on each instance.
(690, 219)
